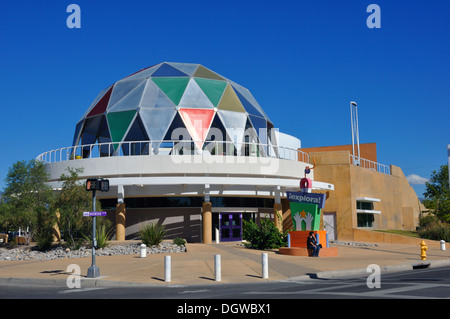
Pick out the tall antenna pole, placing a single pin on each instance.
(355, 130)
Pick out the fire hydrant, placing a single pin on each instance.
(423, 249)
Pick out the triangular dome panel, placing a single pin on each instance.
(130, 101)
(101, 105)
(123, 88)
(156, 122)
(197, 122)
(212, 88)
(230, 101)
(153, 97)
(167, 70)
(194, 97)
(118, 123)
(173, 87)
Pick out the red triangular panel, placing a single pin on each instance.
(101, 105)
(198, 122)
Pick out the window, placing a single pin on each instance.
(365, 211)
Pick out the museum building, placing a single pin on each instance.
(188, 148)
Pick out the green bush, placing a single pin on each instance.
(264, 236)
(179, 241)
(435, 231)
(152, 234)
(43, 239)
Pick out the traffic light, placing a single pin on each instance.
(97, 184)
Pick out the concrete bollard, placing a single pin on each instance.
(217, 268)
(265, 265)
(143, 251)
(442, 245)
(167, 269)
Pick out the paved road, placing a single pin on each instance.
(432, 283)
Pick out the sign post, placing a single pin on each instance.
(93, 185)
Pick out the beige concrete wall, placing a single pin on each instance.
(399, 204)
(360, 235)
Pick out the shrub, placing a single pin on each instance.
(436, 231)
(152, 234)
(179, 241)
(43, 239)
(264, 236)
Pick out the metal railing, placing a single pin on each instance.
(178, 147)
(371, 165)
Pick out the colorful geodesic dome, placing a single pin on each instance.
(151, 104)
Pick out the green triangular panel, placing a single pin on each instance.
(119, 123)
(203, 72)
(212, 88)
(173, 87)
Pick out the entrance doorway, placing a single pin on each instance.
(329, 225)
(230, 226)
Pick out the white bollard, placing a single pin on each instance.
(167, 269)
(217, 268)
(143, 251)
(265, 265)
(217, 235)
(442, 245)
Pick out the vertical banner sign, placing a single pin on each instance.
(306, 209)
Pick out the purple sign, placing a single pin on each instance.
(94, 214)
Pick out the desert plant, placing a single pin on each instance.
(152, 234)
(179, 241)
(263, 236)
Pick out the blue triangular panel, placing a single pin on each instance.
(167, 70)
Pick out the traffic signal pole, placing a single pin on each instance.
(93, 271)
(93, 185)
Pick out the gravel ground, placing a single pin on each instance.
(29, 253)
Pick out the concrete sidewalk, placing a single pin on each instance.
(238, 264)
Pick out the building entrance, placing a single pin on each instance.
(230, 226)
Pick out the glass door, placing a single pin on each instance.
(230, 226)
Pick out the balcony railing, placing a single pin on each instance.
(188, 147)
(374, 166)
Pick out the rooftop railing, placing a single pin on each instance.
(188, 147)
(371, 165)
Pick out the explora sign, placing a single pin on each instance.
(307, 198)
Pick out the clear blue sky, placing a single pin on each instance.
(304, 61)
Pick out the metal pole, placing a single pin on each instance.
(217, 268)
(167, 270)
(265, 265)
(93, 271)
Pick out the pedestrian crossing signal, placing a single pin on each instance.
(94, 184)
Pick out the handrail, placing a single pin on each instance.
(371, 165)
(172, 147)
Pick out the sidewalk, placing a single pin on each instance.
(238, 264)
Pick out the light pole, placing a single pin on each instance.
(355, 129)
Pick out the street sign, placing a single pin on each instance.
(94, 214)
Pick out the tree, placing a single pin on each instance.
(27, 199)
(72, 201)
(437, 194)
